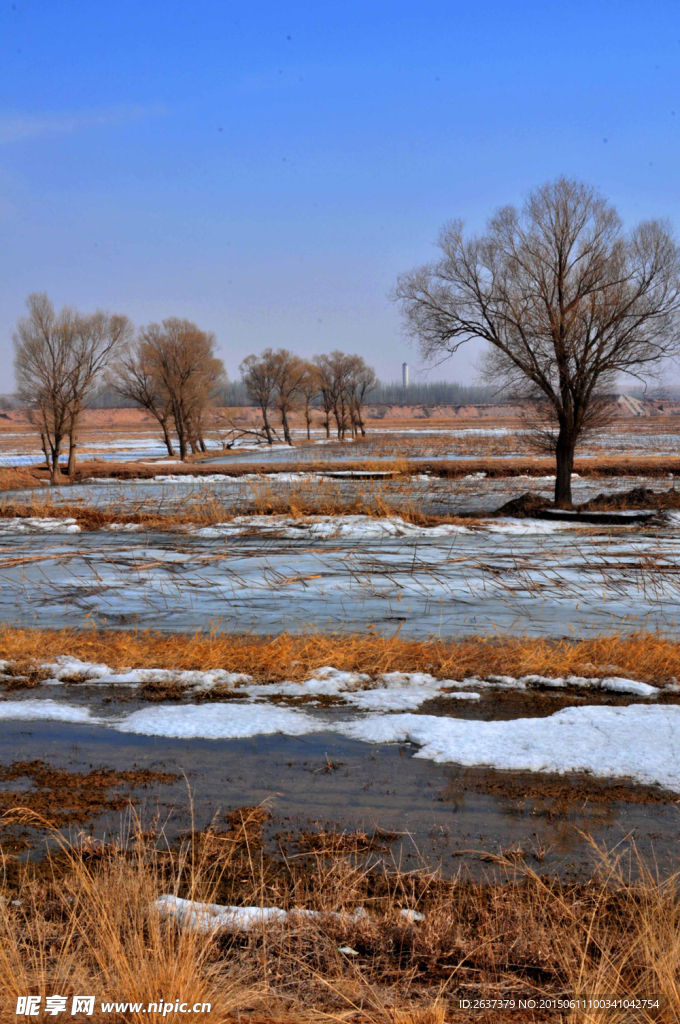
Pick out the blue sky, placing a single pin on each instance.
(268, 168)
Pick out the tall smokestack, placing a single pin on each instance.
(404, 375)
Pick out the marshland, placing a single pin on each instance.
(389, 690)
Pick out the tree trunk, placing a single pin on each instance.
(564, 454)
(267, 428)
(43, 442)
(182, 444)
(72, 445)
(167, 439)
(55, 469)
(286, 429)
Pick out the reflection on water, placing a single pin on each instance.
(442, 811)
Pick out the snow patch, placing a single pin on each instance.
(208, 917)
(37, 525)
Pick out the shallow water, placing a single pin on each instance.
(349, 574)
(431, 495)
(442, 811)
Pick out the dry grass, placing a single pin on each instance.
(86, 924)
(207, 510)
(19, 477)
(597, 466)
(644, 656)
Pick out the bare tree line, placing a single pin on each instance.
(169, 369)
(283, 382)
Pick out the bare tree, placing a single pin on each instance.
(566, 300)
(332, 373)
(132, 376)
(290, 372)
(181, 358)
(309, 389)
(360, 379)
(59, 359)
(95, 341)
(259, 377)
(325, 381)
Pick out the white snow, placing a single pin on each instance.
(391, 691)
(217, 721)
(38, 525)
(617, 685)
(526, 526)
(208, 917)
(640, 742)
(44, 710)
(395, 691)
(359, 527)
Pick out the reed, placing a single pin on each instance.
(649, 657)
(84, 922)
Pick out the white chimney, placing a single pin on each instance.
(404, 375)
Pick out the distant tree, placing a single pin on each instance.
(360, 380)
(566, 300)
(259, 377)
(344, 382)
(59, 361)
(289, 374)
(325, 381)
(332, 372)
(181, 361)
(132, 376)
(309, 389)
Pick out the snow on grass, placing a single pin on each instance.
(31, 525)
(390, 691)
(353, 526)
(208, 917)
(68, 669)
(396, 691)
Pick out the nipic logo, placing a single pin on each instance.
(29, 1006)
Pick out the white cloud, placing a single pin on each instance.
(17, 127)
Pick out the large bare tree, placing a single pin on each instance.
(567, 300)
(59, 360)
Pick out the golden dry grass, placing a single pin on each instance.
(19, 477)
(597, 466)
(86, 924)
(644, 656)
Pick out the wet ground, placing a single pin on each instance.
(471, 495)
(443, 813)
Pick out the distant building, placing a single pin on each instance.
(404, 375)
